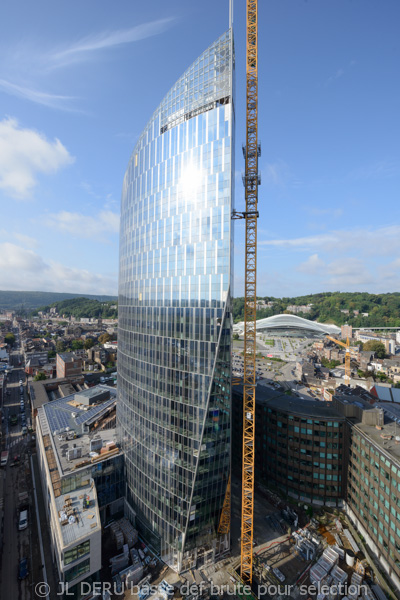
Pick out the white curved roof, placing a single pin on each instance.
(292, 323)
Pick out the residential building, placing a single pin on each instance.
(297, 308)
(174, 332)
(347, 332)
(68, 365)
(81, 471)
(388, 342)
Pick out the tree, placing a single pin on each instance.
(104, 338)
(235, 336)
(377, 347)
(39, 376)
(89, 343)
(60, 346)
(77, 344)
(9, 339)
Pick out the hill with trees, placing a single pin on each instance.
(27, 301)
(81, 308)
(383, 309)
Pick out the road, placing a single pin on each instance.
(16, 478)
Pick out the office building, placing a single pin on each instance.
(174, 323)
(81, 471)
(300, 446)
(344, 453)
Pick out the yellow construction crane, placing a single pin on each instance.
(347, 357)
(251, 180)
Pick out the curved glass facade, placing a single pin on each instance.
(174, 397)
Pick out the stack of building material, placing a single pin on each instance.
(325, 563)
(131, 575)
(117, 535)
(339, 577)
(331, 556)
(130, 534)
(318, 575)
(353, 544)
(366, 593)
(119, 562)
(135, 556)
(354, 588)
(340, 552)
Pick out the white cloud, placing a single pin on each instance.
(381, 169)
(43, 98)
(339, 73)
(383, 241)
(26, 240)
(84, 226)
(303, 242)
(82, 49)
(312, 265)
(24, 153)
(25, 270)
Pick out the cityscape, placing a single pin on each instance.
(200, 333)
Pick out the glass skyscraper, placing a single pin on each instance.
(174, 336)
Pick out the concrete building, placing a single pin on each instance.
(300, 445)
(347, 332)
(68, 365)
(81, 471)
(343, 453)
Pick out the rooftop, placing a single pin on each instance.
(78, 513)
(68, 356)
(385, 438)
(293, 404)
(81, 432)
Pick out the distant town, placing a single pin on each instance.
(327, 397)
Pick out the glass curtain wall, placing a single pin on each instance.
(174, 336)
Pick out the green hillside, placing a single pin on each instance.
(28, 301)
(383, 309)
(83, 307)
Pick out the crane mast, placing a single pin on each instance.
(251, 182)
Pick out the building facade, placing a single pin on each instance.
(373, 498)
(174, 399)
(68, 365)
(300, 446)
(81, 472)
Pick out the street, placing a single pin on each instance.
(16, 494)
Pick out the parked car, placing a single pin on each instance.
(23, 568)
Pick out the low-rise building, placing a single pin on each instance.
(81, 470)
(68, 364)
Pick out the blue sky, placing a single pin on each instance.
(79, 81)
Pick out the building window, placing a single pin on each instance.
(76, 552)
(77, 571)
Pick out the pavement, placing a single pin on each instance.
(15, 479)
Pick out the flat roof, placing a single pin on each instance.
(72, 425)
(293, 404)
(79, 519)
(390, 428)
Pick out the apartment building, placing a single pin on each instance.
(68, 365)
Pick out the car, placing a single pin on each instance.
(23, 568)
(24, 430)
